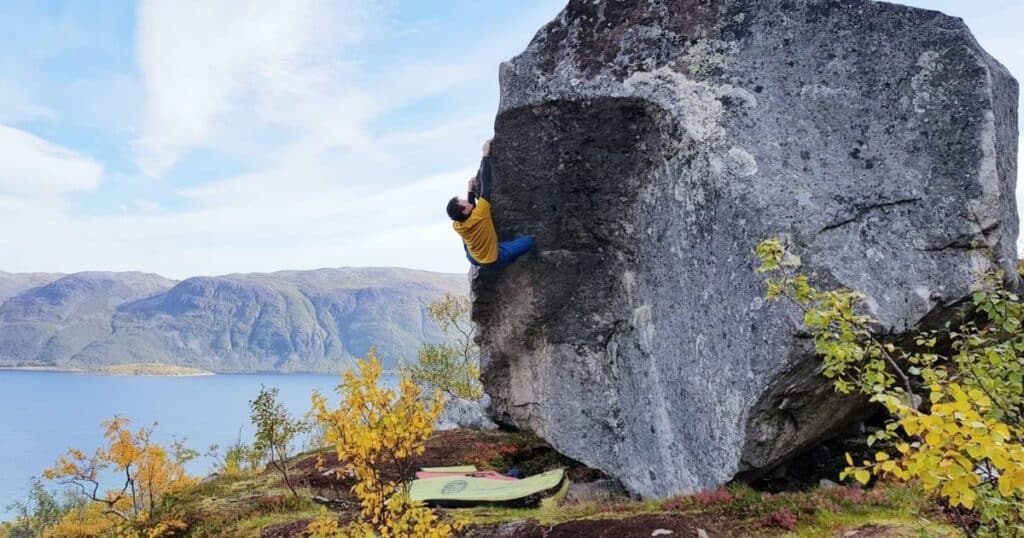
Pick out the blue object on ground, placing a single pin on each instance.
(515, 473)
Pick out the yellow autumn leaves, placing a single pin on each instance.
(955, 448)
(148, 471)
(965, 443)
(376, 432)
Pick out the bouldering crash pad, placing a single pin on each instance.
(469, 490)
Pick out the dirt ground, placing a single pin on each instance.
(647, 526)
(286, 530)
(497, 451)
(641, 526)
(502, 451)
(487, 450)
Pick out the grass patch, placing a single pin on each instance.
(255, 504)
(901, 510)
(237, 505)
(553, 515)
(895, 524)
(254, 525)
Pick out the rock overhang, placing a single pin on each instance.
(650, 145)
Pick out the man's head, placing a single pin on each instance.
(459, 209)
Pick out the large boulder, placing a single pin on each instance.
(460, 413)
(650, 145)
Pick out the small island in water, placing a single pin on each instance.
(122, 369)
(149, 369)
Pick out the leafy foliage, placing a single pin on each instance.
(39, 513)
(150, 471)
(239, 459)
(440, 367)
(86, 521)
(275, 431)
(452, 368)
(376, 433)
(965, 442)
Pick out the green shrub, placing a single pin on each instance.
(964, 441)
(275, 432)
(453, 368)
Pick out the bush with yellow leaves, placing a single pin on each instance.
(147, 471)
(84, 522)
(376, 433)
(965, 441)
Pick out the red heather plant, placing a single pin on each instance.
(270, 502)
(782, 518)
(877, 496)
(715, 497)
(677, 503)
(848, 495)
(702, 498)
(829, 506)
(857, 496)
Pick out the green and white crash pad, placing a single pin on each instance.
(468, 490)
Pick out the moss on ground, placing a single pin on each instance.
(889, 510)
(258, 504)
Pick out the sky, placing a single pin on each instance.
(188, 137)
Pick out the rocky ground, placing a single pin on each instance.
(260, 505)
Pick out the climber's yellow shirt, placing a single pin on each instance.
(478, 233)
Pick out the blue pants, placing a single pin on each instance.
(508, 251)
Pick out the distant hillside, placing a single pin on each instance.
(12, 284)
(287, 321)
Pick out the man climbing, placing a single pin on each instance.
(472, 220)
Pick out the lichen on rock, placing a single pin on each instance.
(649, 146)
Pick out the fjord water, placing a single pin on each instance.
(44, 413)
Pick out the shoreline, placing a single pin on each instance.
(198, 373)
(129, 370)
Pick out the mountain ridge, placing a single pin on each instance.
(12, 284)
(284, 321)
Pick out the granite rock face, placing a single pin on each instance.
(460, 413)
(650, 145)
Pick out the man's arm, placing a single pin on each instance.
(484, 175)
(472, 188)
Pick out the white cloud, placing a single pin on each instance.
(335, 173)
(31, 166)
(147, 205)
(203, 61)
(267, 83)
(399, 226)
(217, 75)
(15, 107)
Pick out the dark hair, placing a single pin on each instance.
(455, 210)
